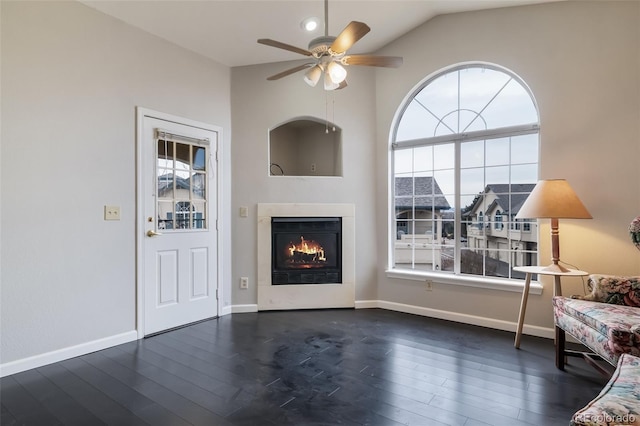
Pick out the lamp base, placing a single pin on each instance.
(554, 267)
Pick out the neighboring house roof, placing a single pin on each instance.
(422, 192)
(165, 182)
(517, 193)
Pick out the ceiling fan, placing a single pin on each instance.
(330, 55)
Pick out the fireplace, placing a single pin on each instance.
(315, 278)
(306, 250)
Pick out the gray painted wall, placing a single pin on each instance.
(71, 80)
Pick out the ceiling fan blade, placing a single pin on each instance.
(280, 45)
(342, 85)
(289, 71)
(373, 61)
(347, 38)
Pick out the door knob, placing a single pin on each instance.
(152, 233)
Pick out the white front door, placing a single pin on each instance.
(177, 256)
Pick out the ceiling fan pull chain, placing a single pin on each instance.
(326, 111)
(333, 111)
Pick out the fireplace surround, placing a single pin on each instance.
(314, 278)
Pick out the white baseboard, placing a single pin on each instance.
(36, 361)
(531, 330)
(244, 309)
(367, 304)
(226, 310)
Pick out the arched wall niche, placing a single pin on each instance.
(303, 147)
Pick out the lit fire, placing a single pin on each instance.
(309, 251)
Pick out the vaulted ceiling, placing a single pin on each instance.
(227, 30)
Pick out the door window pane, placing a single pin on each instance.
(182, 175)
(198, 158)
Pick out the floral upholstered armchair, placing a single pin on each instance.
(607, 320)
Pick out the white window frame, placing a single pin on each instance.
(455, 278)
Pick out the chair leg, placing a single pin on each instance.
(560, 352)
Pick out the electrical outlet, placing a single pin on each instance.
(244, 282)
(111, 212)
(313, 167)
(244, 211)
(429, 285)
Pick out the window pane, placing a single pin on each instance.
(183, 174)
(183, 214)
(198, 158)
(524, 149)
(165, 183)
(475, 187)
(472, 262)
(199, 215)
(497, 152)
(472, 181)
(444, 183)
(403, 161)
(198, 186)
(183, 156)
(440, 99)
(444, 156)
(423, 159)
(467, 201)
(472, 154)
(165, 215)
(477, 89)
(496, 175)
(524, 174)
(416, 123)
(512, 106)
(165, 153)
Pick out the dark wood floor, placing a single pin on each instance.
(325, 367)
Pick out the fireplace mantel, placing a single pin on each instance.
(305, 296)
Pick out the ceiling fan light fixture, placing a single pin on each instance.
(312, 76)
(330, 53)
(328, 83)
(336, 72)
(309, 24)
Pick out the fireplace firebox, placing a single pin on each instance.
(306, 250)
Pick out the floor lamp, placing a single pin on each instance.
(553, 199)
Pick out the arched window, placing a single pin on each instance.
(464, 150)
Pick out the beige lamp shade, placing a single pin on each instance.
(555, 199)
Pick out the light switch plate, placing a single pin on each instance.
(111, 212)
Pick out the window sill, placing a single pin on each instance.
(461, 280)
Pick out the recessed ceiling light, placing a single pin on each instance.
(309, 24)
